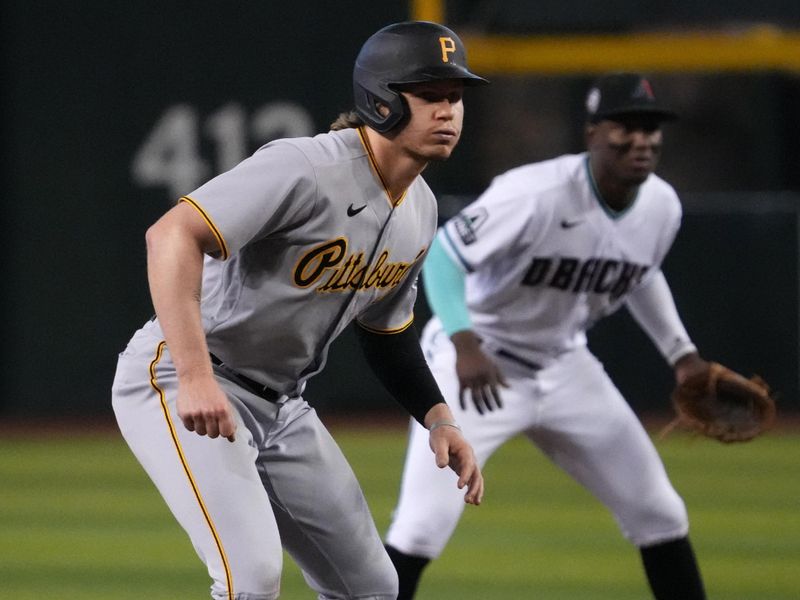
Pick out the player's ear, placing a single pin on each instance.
(588, 133)
(383, 110)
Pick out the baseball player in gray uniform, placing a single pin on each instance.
(515, 280)
(252, 277)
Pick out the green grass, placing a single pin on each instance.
(80, 520)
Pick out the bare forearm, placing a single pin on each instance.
(174, 269)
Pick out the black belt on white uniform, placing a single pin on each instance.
(251, 385)
(518, 359)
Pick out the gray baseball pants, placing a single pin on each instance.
(283, 483)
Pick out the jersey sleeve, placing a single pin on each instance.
(444, 286)
(395, 312)
(653, 308)
(669, 224)
(489, 227)
(267, 192)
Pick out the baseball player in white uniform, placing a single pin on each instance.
(252, 276)
(515, 280)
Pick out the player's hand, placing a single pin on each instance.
(452, 449)
(204, 408)
(688, 365)
(479, 377)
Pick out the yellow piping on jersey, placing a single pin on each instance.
(187, 470)
(374, 164)
(400, 329)
(223, 247)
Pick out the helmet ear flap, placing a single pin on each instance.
(368, 95)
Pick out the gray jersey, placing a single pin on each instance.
(309, 240)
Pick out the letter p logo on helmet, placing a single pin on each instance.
(448, 46)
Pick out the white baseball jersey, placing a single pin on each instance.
(308, 241)
(546, 258)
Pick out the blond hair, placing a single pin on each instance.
(347, 120)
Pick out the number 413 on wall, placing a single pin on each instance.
(170, 156)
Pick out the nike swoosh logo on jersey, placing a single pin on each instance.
(565, 224)
(352, 212)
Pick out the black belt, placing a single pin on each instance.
(518, 359)
(251, 385)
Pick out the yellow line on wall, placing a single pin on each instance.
(427, 10)
(758, 48)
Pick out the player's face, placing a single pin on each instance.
(436, 112)
(626, 149)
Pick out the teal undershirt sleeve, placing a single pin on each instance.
(444, 284)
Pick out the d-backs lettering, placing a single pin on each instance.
(330, 266)
(596, 275)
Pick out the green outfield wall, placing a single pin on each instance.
(110, 112)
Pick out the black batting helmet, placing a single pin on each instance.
(410, 52)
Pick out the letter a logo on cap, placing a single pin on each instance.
(448, 45)
(645, 90)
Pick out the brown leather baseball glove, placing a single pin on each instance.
(721, 404)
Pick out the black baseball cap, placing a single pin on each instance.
(618, 94)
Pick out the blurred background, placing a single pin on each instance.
(111, 111)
